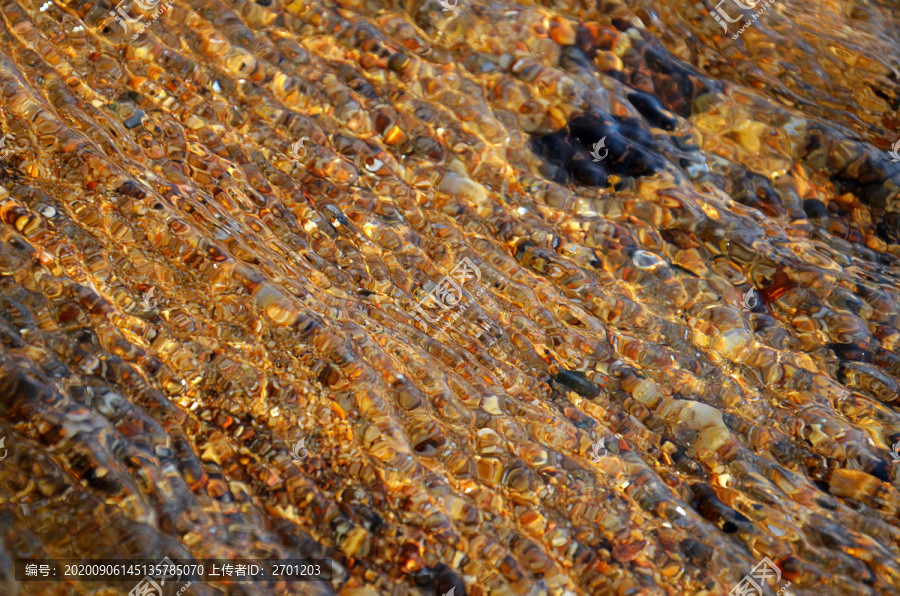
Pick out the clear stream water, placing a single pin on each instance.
(497, 298)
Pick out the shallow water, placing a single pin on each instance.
(668, 261)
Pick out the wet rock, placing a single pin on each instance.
(704, 420)
(134, 120)
(622, 150)
(652, 109)
(576, 381)
(708, 504)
